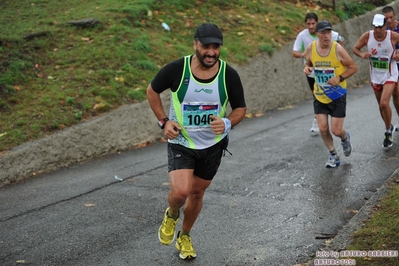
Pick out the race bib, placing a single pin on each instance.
(322, 75)
(196, 116)
(381, 63)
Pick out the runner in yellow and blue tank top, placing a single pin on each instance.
(303, 39)
(325, 68)
(332, 65)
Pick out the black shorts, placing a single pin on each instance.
(336, 108)
(205, 162)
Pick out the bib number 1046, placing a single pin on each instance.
(198, 116)
(198, 120)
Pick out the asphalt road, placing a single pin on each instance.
(269, 204)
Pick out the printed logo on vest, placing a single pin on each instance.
(207, 91)
(186, 80)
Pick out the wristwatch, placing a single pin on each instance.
(341, 78)
(162, 122)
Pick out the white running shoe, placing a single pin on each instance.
(314, 130)
(333, 161)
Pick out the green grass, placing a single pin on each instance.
(381, 232)
(70, 74)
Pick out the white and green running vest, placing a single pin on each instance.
(192, 104)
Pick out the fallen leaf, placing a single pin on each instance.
(250, 115)
(3, 134)
(17, 88)
(352, 211)
(259, 114)
(98, 106)
(285, 107)
(142, 145)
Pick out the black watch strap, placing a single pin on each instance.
(341, 78)
(162, 122)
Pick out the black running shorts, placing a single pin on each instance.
(336, 108)
(205, 162)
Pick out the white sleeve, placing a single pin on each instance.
(336, 37)
(298, 43)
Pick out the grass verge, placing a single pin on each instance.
(380, 233)
(55, 75)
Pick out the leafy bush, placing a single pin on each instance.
(350, 9)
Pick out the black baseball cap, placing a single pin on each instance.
(209, 33)
(323, 25)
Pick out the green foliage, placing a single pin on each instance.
(55, 124)
(137, 95)
(380, 231)
(266, 48)
(146, 65)
(142, 45)
(78, 115)
(350, 9)
(378, 2)
(72, 74)
(70, 100)
(15, 71)
(284, 29)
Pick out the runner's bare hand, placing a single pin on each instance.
(172, 129)
(217, 125)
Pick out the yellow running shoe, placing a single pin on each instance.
(184, 245)
(166, 232)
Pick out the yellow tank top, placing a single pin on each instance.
(325, 68)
